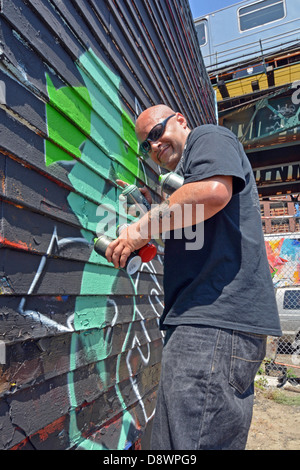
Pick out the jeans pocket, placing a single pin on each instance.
(248, 351)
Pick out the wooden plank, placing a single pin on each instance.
(21, 230)
(94, 403)
(26, 23)
(128, 19)
(22, 144)
(121, 34)
(72, 17)
(98, 435)
(64, 277)
(33, 190)
(84, 312)
(125, 350)
(27, 147)
(65, 149)
(74, 82)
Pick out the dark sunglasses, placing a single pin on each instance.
(155, 134)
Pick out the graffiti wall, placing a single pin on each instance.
(284, 260)
(79, 340)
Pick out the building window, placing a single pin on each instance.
(201, 33)
(260, 13)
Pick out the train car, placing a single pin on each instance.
(252, 54)
(251, 46)
(246, 30)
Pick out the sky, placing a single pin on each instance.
(203, 7)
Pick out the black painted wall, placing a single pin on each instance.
(79, 340)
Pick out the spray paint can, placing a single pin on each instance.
(135, 197)
(170, 182)
(134, 261)
(147, 252)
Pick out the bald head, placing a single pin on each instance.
(167, 149)
(158, 112)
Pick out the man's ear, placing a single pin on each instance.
(181, 119)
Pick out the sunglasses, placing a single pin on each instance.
(155, 134)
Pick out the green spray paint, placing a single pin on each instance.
(88, 126)
(76, 438)
(75, 103)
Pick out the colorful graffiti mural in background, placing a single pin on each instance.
(284, 260)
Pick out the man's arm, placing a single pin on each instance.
(213, 193)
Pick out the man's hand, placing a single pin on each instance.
(143, 190)
(122, 183)
(120, 249)
(134, 209)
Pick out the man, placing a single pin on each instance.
(219, 299)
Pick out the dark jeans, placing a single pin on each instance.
(205, 396)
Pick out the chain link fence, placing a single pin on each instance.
(281, 225)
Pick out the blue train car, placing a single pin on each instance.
(247, 30)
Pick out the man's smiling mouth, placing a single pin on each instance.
(161, 152)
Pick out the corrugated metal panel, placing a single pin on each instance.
(79, 340)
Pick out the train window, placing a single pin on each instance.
(261, 13)
(201, 32)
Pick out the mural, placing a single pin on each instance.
(101, 148)
(80, 345)
(113, 131)
(284, 260)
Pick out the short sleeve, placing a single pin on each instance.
(213, 151)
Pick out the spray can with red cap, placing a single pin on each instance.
(147, 252)
(133, 262)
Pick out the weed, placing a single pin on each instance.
(279, 396)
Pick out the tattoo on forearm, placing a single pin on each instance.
(160, 212)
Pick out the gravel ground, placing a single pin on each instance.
(276, 419)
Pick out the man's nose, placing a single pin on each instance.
(155, 145)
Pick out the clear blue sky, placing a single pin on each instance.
(203, 7)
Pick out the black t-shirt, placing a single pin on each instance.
(226, 283)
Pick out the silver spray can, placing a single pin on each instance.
(170, 182)
(135, 197)
(134, 261)
(120, 228)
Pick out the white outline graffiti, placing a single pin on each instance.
(37, 316)
(135, 342)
